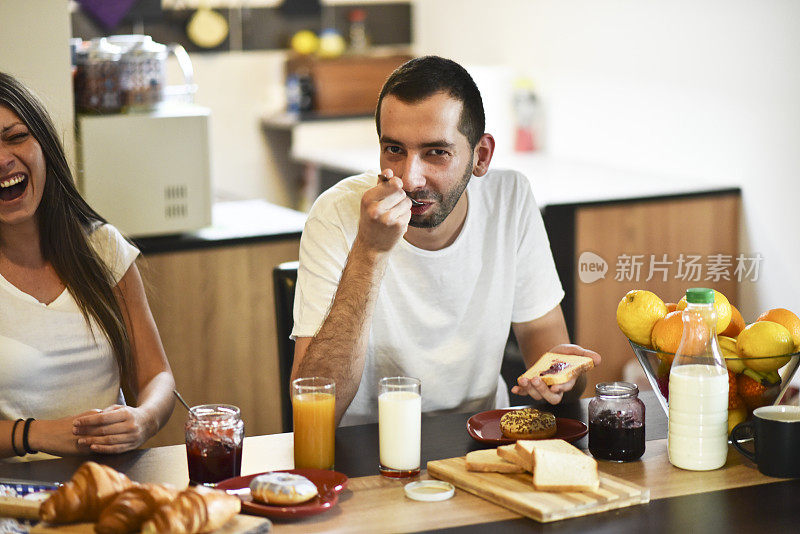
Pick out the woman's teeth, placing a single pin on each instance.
(13, 181)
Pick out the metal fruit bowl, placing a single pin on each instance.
(656, 366)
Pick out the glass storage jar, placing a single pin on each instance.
(616, 422)
(214, 437)
(97, 77)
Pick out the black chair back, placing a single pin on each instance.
(284, 280)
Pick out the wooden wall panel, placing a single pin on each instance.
(215, 312)
(693, 225)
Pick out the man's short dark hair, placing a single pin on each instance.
(423, 77)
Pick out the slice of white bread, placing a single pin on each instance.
(488, 461)
(510, 453)
(558, 368)
(558, 466)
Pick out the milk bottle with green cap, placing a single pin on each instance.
(698, 390)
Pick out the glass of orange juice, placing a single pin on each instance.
(313, 411)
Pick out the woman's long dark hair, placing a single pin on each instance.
(65, 222)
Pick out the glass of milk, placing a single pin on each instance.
(399, 426)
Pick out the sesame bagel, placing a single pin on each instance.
(528, 423)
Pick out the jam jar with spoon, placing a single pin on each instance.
(616, 422)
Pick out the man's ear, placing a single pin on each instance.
(483, 155)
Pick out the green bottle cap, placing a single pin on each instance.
(700, 295)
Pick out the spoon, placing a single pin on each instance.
(185, 405)
(413, 202)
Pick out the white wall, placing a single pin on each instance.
(240, 88)
(707, 89)
(34, 47)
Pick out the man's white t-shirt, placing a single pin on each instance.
(51, 364)
(441, 316)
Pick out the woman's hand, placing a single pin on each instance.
(538, 390)
(113, 430)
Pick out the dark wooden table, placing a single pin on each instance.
(769, 507)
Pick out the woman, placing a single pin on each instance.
(74, 320)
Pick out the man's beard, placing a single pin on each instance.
(446, 202)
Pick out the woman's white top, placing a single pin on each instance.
(51, 363)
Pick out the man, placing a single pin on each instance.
(419, 271)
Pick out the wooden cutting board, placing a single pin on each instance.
(27, 509)
(515, 492)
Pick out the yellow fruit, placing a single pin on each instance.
(304, 42)
(736, 416)
(331, 44)
(736, 325)
(731, 354)
(637, 312)
(667, 332)
(762, 339)
(785, 318)
(721, 306)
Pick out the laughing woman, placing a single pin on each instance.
(75, 325)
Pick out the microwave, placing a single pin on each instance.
(149, 173)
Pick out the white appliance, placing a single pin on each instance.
(148, 173)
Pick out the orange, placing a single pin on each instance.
(785, 318)
(667, 332)
(666, 358)
(736, 325)
(671, 306)
(695, 342)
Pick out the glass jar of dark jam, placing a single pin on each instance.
(214, 437)
(616, 422)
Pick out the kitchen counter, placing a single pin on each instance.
(554, 181)
(233, 223)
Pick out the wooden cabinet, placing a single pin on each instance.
(348, 85)
(645, 230)
(214, 308)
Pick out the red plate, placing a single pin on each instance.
(485, 427)
(329, 485)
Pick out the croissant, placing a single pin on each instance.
(91, 489)
(132, 507)
(196, 510)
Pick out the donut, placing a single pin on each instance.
(528, 423)
(282, 489)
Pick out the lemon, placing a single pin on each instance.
(722, 307)
(762, 339)
(736, 416)
(637, 312)
(304, 42)
(733, 359)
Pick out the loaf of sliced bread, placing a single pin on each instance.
(555, 368)
(488, 461)
(510, 453)
(558, 466)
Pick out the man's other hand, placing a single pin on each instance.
(538, 390)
